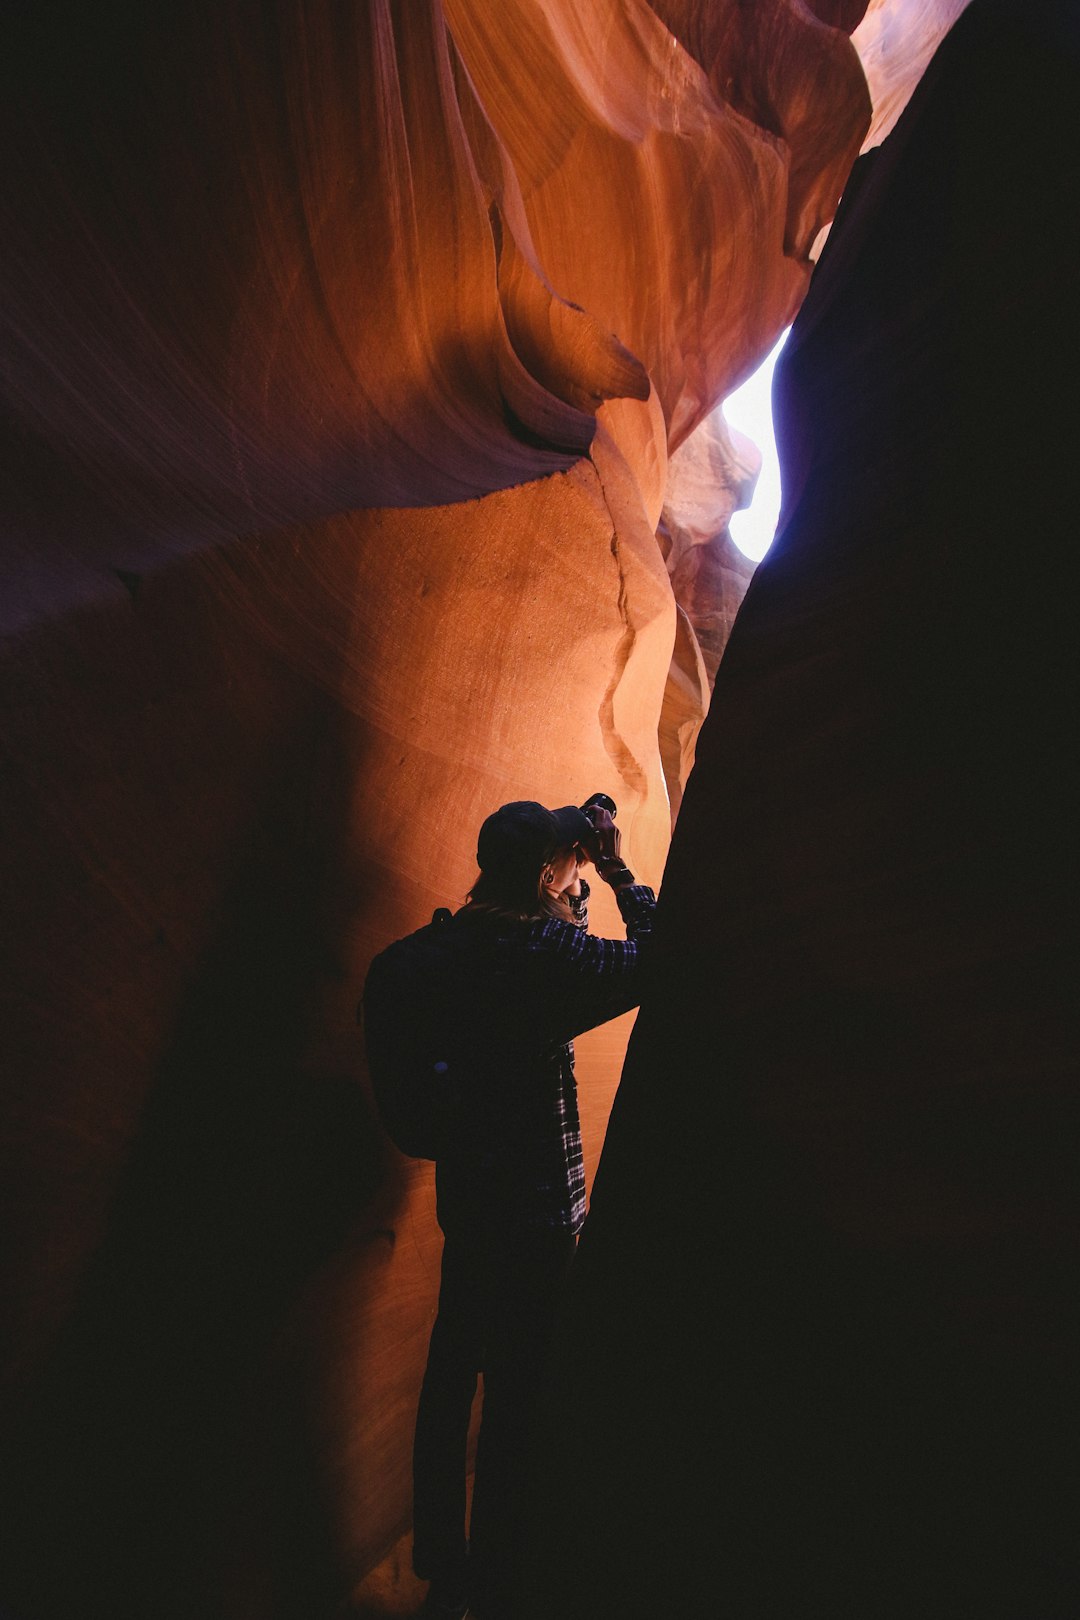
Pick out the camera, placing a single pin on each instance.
(598, 801)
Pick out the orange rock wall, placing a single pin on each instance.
(345, 351)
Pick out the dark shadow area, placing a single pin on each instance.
(818, 1353)
(164, 1462)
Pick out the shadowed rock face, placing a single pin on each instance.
(344, 351)
(819, 1348)
(895, 42)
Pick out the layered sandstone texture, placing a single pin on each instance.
(820, 1347)
(344, 352)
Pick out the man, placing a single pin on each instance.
(510, 1182)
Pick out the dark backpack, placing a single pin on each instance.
(407, 1012)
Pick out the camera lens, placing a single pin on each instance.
(600, 801)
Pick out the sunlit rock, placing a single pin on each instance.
(344, 354)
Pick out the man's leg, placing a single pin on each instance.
(442, 1421)
(531, 1272)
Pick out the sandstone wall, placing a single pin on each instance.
(344, 351)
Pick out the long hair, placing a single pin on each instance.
(507, 893)
(518, 899)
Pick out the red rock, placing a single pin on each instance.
(344, 354)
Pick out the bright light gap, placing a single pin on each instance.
(749, 409)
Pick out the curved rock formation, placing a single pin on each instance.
(344, 352)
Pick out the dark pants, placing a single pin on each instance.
(496, 1305)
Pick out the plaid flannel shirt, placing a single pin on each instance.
(518, 1151)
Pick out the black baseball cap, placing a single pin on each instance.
(523, 835)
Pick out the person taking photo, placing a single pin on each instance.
(527, 976)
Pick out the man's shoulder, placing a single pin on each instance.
(555, 933)
(433, 936)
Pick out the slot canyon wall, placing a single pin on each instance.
(344, 350)
(360, 473)
(819, 1352)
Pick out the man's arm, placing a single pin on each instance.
(590, 980)
(636, 901)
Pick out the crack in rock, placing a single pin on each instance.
(618, 750)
